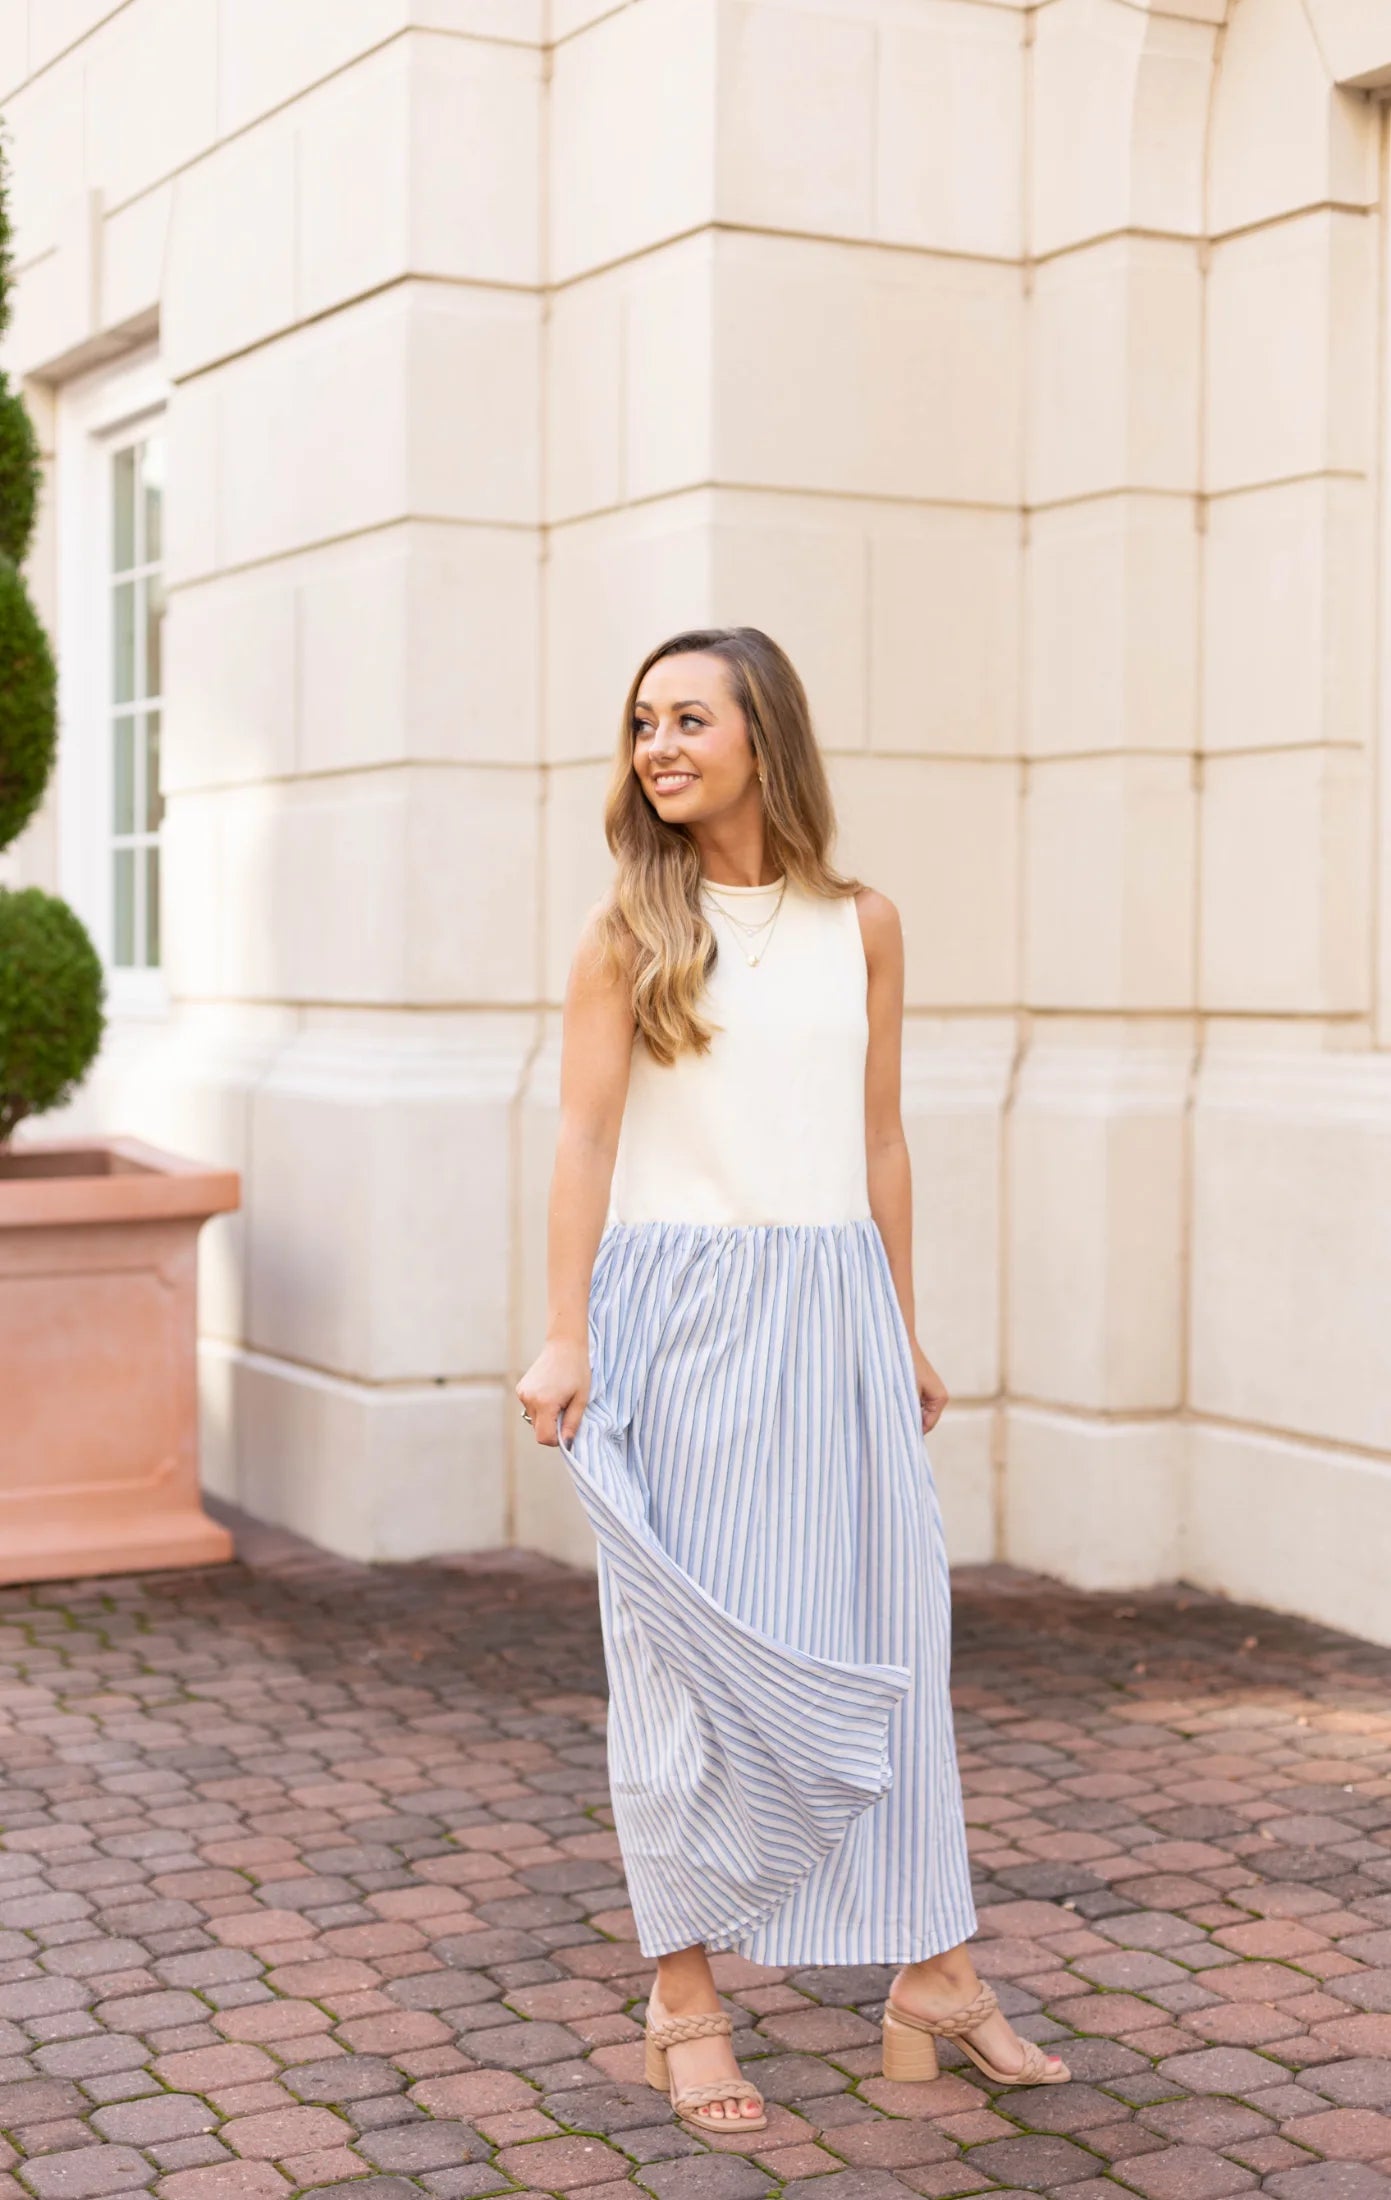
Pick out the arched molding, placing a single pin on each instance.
(1354, 38)
(1284, 137)
(1120, 105)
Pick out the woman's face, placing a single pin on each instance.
(691, 747)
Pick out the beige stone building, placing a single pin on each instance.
(1024, 369)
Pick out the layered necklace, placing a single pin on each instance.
(749, 933)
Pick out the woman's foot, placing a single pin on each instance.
(685, 1988)
(946, 1983)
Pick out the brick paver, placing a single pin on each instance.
(308, 1884)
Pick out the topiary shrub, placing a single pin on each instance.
(19, 477)
(52, 988)
(28, 706)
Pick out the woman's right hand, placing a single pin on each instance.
(555, 1389)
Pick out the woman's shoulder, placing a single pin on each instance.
(881, 927)
(603, 952)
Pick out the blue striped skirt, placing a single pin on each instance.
(774, 1596)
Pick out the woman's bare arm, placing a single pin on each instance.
(887, 1162)
(595, 1054)
(886, 1148)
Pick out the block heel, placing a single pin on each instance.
(910, 2056)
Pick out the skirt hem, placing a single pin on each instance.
(752, 1920)
(832, 1959)
(734, 1939)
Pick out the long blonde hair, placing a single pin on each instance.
(652, 927)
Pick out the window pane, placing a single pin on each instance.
(134, 721)
(151, 856)
(152, 592)
(123, 642)
(123, 511)
(123, 776)
(154, 800)
(123, 913)
(152, 480)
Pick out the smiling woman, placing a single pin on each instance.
(731, 1373)
(669, 736)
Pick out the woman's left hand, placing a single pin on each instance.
(932, 1391)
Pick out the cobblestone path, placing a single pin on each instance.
(307, 1884)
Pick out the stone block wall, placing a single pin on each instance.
(1022, 368)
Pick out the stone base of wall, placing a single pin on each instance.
(1111, 1504)
(1295, 1526)
(370, 1471)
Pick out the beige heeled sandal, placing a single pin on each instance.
(910, 2052)
(692, 2100)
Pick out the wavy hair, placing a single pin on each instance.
(652, 927)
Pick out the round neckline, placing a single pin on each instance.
(717, 886)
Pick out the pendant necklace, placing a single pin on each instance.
(749, 932)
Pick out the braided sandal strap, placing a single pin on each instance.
(698, 2096)
(951, 2027)
(981, 2006)
(1035, 2065)
(704, 2025)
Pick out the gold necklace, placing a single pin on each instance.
(750, 931)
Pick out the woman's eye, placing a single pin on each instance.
(687, 721)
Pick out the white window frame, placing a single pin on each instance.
(94, 413)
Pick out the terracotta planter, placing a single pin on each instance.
(98, 1368)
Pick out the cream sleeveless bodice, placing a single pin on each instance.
(769, 1125)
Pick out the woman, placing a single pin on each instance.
(731, 1374)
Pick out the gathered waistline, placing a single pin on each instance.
(731, 1229)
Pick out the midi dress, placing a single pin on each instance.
(772, 1575)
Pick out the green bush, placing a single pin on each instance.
(52, 988)
(6, 250)
(28, 706)
(19, 476)
(51, 1000)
